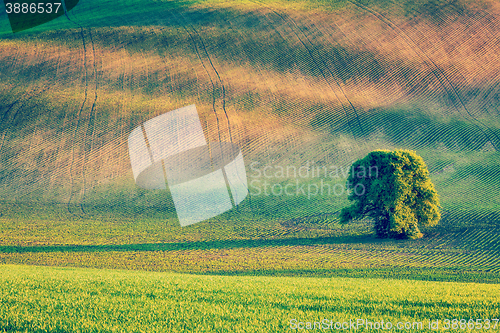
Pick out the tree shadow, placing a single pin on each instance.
(200, 245)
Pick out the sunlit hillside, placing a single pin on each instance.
(291, 82)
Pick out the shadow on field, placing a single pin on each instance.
(203, 245)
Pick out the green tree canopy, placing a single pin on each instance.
(393, 188)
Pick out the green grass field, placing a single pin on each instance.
(39, 299)
(297, 83)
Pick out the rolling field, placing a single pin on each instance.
(310, 85)
(315, 84)
(90, 300)
(300, 247)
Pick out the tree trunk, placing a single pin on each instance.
(382, 226)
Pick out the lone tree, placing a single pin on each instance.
(393, 188)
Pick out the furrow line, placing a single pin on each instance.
(440, 73)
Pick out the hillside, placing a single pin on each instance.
(300, 85)
(293, 83)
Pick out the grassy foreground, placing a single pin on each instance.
(41, 299)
